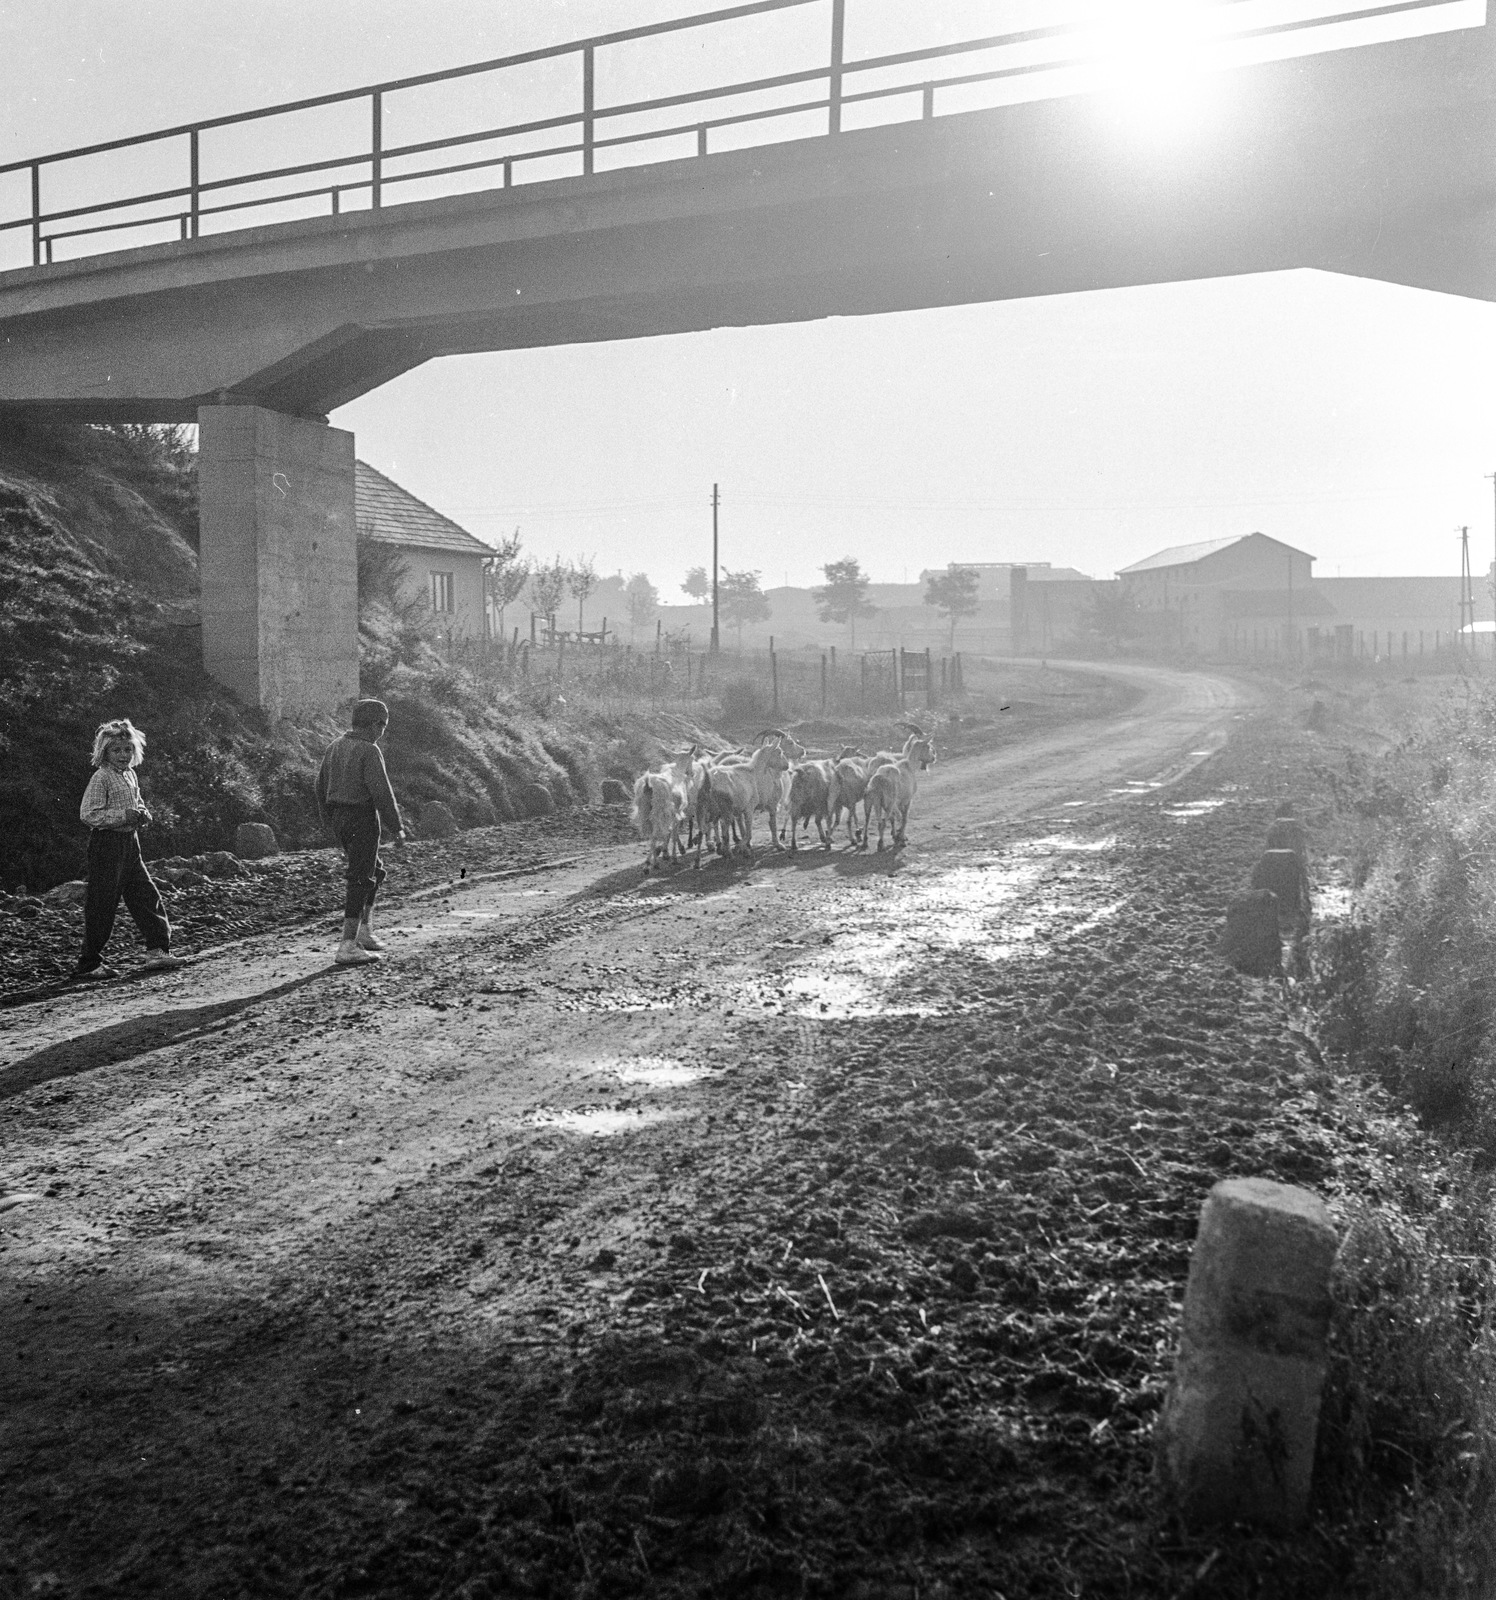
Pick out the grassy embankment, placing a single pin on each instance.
(98, 560)
(1394, 774)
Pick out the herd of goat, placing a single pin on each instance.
(699, 798)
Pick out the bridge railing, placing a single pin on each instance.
(815, 97)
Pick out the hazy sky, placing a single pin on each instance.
(1354, 419)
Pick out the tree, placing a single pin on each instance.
(643, 601)
(697, 584)
(507, 573)
(844, 597)
(547, 586)
(954, 592)
(1113, 617)
(581, 579)
(741, 599)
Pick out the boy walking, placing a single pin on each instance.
(113, 811)
(354, 798)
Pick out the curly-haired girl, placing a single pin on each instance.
(113, 810)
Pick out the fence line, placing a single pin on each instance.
(746, 684)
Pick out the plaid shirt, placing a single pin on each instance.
(108, 797)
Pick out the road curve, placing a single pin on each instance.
(256, 1099)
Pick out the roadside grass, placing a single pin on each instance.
(1393, 778)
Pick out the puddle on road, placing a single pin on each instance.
(605, 1122)
(1057, 844)
(658, 1072)
(838, 997)
(1187, 810)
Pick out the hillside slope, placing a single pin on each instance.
(98, 560)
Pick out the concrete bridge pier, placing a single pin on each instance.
(278, 559)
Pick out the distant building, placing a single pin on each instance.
(1245, 595)
(1255, 596)
(444, 563)
(1381, 617)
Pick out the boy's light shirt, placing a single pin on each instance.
(108, 797)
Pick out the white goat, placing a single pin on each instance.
(891, 788)
(813, 792)
(659, 806)
(735, 789)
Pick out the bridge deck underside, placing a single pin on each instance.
(1379, 162)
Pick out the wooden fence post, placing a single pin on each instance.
(929, 680)
(864, 683)
(774, 673)
(823, 683)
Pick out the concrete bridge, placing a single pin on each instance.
(1377, 161)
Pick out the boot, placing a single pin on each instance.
(350, 955)
(366, 937)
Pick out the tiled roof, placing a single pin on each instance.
(1181, 555)
(393, 515)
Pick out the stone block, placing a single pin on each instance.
(1282, 872)
(1238, 1427)
(535, 800)
(1252, 941)
(1288, 833)
(437, 821)
(255, 841)
(615, 792)
(222, 864)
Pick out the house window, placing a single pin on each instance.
(441, 592)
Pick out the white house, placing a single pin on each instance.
(444, 563)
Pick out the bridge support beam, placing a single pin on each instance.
(278, 559)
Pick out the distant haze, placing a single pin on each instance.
(1353, 419)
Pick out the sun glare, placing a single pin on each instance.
(1154, 62)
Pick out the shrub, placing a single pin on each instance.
(1411, 987)
(744, 700)
(1407, 1437)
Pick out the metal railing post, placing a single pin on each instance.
(36, 213)
(588, 90)
(838, 33)
(194, 179)
(376, 153)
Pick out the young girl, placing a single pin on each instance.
(113, 810)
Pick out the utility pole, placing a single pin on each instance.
(1292, 636)
(716, 501)
(1492, 477)
(1467, 592)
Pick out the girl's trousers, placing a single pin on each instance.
(116, 868)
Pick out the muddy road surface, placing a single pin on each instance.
(541, 1258)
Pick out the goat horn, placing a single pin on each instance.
(778, 733)
(915, 727)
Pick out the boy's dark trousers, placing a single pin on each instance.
(356, 828)
(115, 868)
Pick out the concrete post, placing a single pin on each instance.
(278, 559)
(1238, 1427)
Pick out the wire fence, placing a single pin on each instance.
(743, 685)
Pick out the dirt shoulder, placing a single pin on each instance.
(818, 1228)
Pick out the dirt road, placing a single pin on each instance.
(283, 1201)
(247, 1091)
